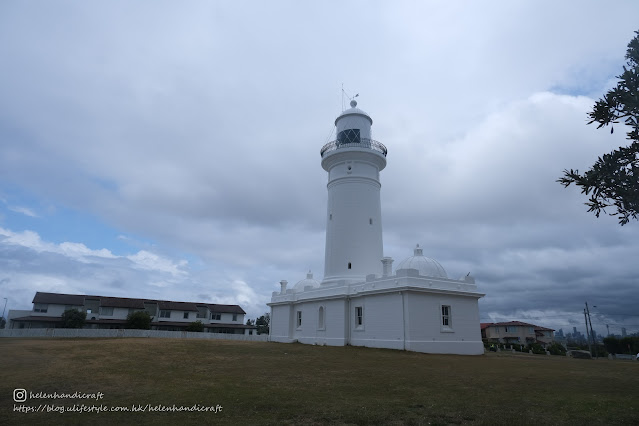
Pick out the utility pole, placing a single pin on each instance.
(4, 309)
(592, 334)
(587, 334)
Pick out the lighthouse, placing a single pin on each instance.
(354, 247)
(361, 301)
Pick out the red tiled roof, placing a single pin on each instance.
(485, 325)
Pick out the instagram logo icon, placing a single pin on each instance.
(19, 395)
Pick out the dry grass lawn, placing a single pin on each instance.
(270, 383)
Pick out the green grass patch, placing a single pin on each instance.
(270, 383)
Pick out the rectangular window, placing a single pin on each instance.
(320, 320)
(359, 316)
(234, 317)
(106, 311)
(446, 316)
(299, 318)
(186, 315)
(215, 316)
(165, 313)
(40, 307)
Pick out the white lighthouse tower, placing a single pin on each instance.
(361, 301)
(354, 247)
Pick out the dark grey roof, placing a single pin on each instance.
(124, 302)
(223, 309)
(177, 306)
(121, 302)
(59, 299)
(38, 318)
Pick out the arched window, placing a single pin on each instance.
(320, 321)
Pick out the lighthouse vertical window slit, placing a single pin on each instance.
(370, 221)
(349, 265)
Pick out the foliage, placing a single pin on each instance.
(624, 345)
(140, 320)
(613, 181)
(72, 318)
(556, 349)
(537, 348)
(3, 322)
(262, 323)
(196, 326)
(250, 322)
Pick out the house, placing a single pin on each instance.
(517, 332)
(112, 312)
(360, 300)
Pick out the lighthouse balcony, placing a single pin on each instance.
(363, 143)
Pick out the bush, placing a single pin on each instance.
(557, 349)
(196, 326)
(72, 318)
(140, 320)
(537, 348)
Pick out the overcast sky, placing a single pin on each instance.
(171, 150)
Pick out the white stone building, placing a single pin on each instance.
(360, 301)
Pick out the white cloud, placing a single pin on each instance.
(23, 210)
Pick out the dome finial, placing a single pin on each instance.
(353, 103)
(418, 251)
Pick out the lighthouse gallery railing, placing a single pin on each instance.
(364, 143)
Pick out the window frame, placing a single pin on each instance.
(446, 318)
(165, 313)
(298, 319)
(41, 307)
(359, 317)
(106, 311)
(321, 318)
(216, 316)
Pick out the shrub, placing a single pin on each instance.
(72, 318)
(557, 349)
(537, 348)
(196, 326)
(140, 320)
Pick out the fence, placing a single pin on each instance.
(109, 333)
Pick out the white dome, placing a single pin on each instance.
(307, 282)
(425, 265)
(353, 110)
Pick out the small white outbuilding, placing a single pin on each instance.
(360, 301)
